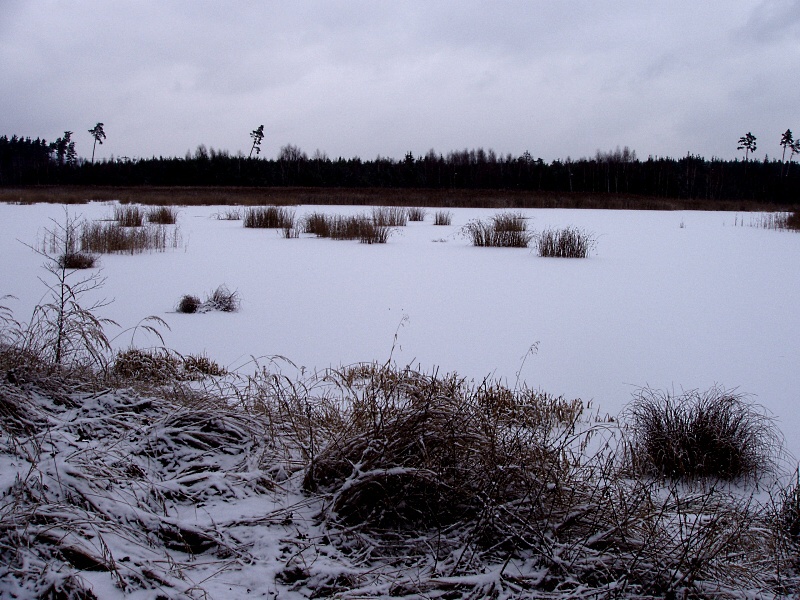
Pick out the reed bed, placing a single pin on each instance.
(109, 237)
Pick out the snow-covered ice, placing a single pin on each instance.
(678, 300)
(667, 300)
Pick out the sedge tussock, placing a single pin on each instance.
(269, 217)
(129, 216)
(568, 242)
(504, 230)
(162, 215)
(443, 217)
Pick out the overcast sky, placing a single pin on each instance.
(558, 78)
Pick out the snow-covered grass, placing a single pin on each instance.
(372, 481)
(376, 479)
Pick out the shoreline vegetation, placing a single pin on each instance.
(405, 197)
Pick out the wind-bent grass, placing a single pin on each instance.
(107, 238)
(569, 242)
(224, 300)
(419, 484)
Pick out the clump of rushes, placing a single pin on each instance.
(152, 366)
(77, 260)
(269, 217)
(188, 304)
(506, 230)
(317, 223)
(569, 242)
(163, 215)
(417, 214)
(714, 434)
(419, 451)
(374, 234)
(443, 217)
(291, 232)
(106, 238)
(231, 214)
(223, 299)
(793, 221)
(129, 216)
(389, 216)
(198, 366)
(347, 227)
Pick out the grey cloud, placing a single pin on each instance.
(366, 78)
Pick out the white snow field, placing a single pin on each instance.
(128, 496)
(670, 300)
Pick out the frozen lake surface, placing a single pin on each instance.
(670, 300)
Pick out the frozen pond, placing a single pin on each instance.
(678, 300)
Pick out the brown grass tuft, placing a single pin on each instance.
(713, 434)
(443, 217)
(269, 217)
(569, 242)
(129, 216)
(507, 230)
(77, 260)
(416, 214)
(163, 215)
(105, 238)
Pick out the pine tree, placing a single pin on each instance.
(747, 143)
(64, 148)
(99, 135)
(257, 135)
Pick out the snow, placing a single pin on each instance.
(679, 300)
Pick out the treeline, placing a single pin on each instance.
(26, 162)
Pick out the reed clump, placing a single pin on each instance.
(269, 217)
(567, 242)
(162, 215)
(443, 217)
(110, 237)
(698, 435)
(129, 215)
(505, 230)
